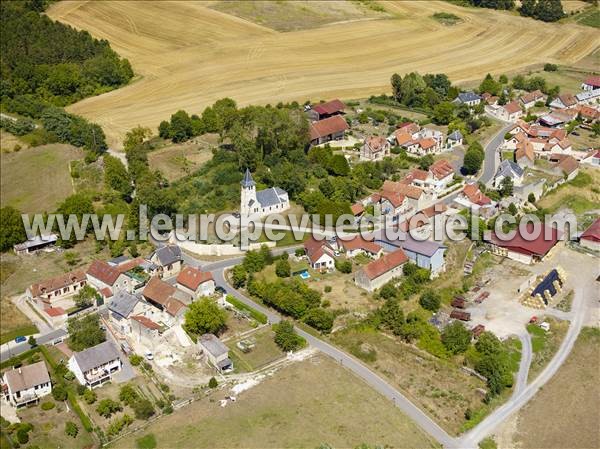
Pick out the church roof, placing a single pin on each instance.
(270, 197)
(248, 181)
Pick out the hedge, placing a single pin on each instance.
(18, 359)
(85, 421)
(258, 316)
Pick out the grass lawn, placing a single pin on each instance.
(565, 412)
(179, 160)
(545, 344)
(13, 322)
(440, 388)
(264, 352)
(87, 177)
(37, 179)
(590, 17)
(302, 406)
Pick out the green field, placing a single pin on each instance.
(37, 179)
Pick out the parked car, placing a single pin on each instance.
(20, 339)
(149, 355)
(219, 289)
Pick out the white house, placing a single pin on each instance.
(169, 260)
(564, 101)
(196, 282)
(26, 384)
(508, 169)
(455, 138)
(320, 254)
(589, 97)
(358, 245)
(510, 112)
(101, 276)
(96, 365)
(216, 352)
(591, 83)
(469, 98)
(120, 308)
(433, 181)
(375, 274)
(529, 99)
(263, 202)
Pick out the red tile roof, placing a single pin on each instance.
(328, 126)
(402, 188)
(427, 143)
(130, 264)
(357, 208)
(330, 107)
(568, 99)
(316, 248)
(359, 242)
(103, 272)
(512, 107)
(475, 196)
(532, 96)
(56, 283)
(377, 143)
(524, 149)
(106, 292)
(146, 322)
(160, 292)
(408, 127)
(402, 137)
(538, 246)
(568, 165)
(192, 277)
(593, 232)
(593, 81)
(384, 264)
(440, 169)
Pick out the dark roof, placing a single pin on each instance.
(547, 284)
(405, 241)
(593, 232)
(270, 197)
(168, 254)
(463, 97)
(38, 240)
(456, 136)
(123, 303)
(95, 356)
(213, 345)
(248, 181)
(508, 167)
(328, 126)
(118, 260)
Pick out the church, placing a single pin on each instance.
(263, 202)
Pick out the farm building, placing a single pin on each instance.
(377, 273)
(591, 236)
(523, 250)
(332, 128)
(426, 253)
(591, 83)
(35, 244)
(325, 110)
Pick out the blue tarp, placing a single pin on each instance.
(547, 284)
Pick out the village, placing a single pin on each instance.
(187, 321)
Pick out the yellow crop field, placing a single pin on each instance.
(188, 54)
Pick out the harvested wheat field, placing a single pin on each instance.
(194, 54)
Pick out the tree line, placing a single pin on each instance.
(545, 10)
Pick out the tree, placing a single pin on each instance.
(137, 136)
(239, 276)
(128, 395)
(443, 113)
(11, 228)
(89, 396)
(549, 10)
(85, 332)
(180, 128)
(426, 161)
(531, 198)
(456, 338)
(472, 161)
(506, 187)
(343, 266)
(286, 337)
(59, 392)
(396, 82)
(71, 429)
(283, 269)
(489, 84)
(205, 316)
(212, 383)
(392, 316)
(430, 300)
(338, 165)
(85, 296)
(143, 409)
(527, 8)
(107, 407)
(320, 319)
(164, 130)
(548, 67)
(596, 129)
(31, 341)
(411, 87)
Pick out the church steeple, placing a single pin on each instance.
(248, 181)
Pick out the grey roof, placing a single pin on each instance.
(96, 356)
(37, 241)
(123, 303)
(118, 260)
(248, 181)
(213, 345)
(27, 376)
(509, 168)
(406, 242)
(224, 363)
(168, 254)
(270, 197)
(456, 136)
(464, 97)
(587, 95)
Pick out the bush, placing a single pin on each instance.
(128, 395)
(343, 266)
(48, 405)
(81, 389)
(135, 359)
(550, 67)
(89, 396)
(286, 337)
(107, 407)
(146, 442)
(327, 289)
(430, 300)
(118, 424)
(143, 409)
(320, 319)
(531, 198)
(71, 429)
(22, 435)
(59, 392)
(212, 383)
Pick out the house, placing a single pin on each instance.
(455, 138)
(391, 203)
(120, 309)
(510, 112)
(216, 352)
(567, 166)
(473, 198)
(358, 245)
(325, 110)
(261, 203)
(101, 276)
(320, 254)
(591, 236)
(592, 158)
(168, 259)
(588, 97)
(96, 365)
(35, 244)
(357, 210)
(416, 197)
(163, 297)
(561, 147)
(426, 254)
(591, 83)
(469, 98)
(55, 316)
(375, 148)
(139, 264)
(531, 98)
(564, 101)
(490, 99)
(524, 154)
(409, 128)
(525, 250)
(375, 274)
(425, 141)
(421, 223)
(332, 128)
(433, 181)
(49, 291)
(587, 113)
(508, 169)
(27, 384)
(144, 330)
(195, 282)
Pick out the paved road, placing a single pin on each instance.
(47, 338)
(526, 356)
